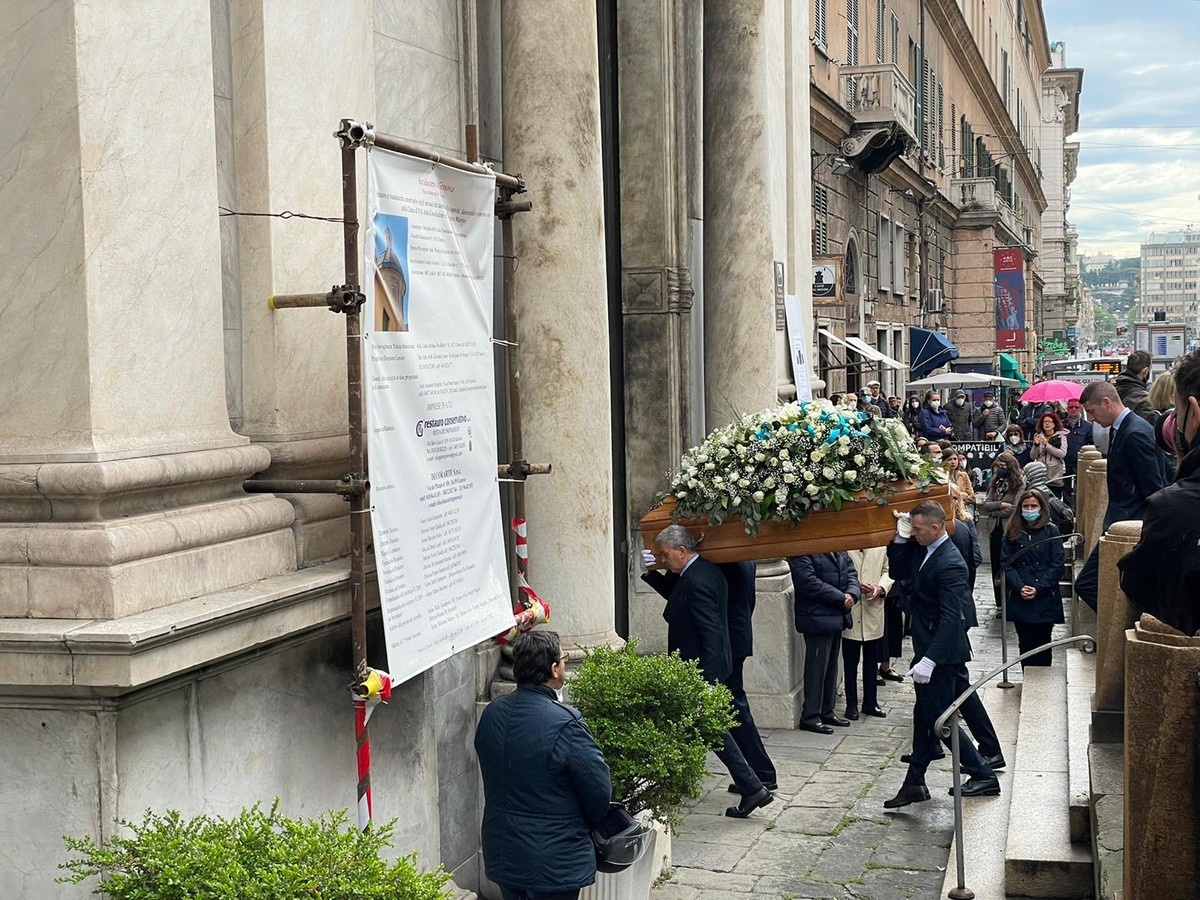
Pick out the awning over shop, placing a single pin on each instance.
(1010, 368)
(863, 349)
(928, 350)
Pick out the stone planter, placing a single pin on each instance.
(634, 883)
(855, 526)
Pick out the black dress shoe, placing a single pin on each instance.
(996, 762)
(750, 804)
(852, 713)
(907, 757)
(836, 720)
(980, 787)
(891, 676)
(909, 793)
(879, 682)
(876, 711)
(769, 785)
(816, 727)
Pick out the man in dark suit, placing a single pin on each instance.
(697, 615)
(937, 582)
(739, 576)
(1134, 471)
(826, 590)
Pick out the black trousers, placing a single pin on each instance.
(893, 628)
(743, 776)
(820, 675)
(745, 734)
(872, 653)
(949, 680)
(509, 893)
(1087, 585)
(1034, 634)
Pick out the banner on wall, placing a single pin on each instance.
(798, 347)
(431, 409)
(1008, 266)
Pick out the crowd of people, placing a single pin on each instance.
(545, 780)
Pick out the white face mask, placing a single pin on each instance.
(988, 403)
(959, 401)
(934, 404)
(1014, 440)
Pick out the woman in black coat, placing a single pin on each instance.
(1034, 598)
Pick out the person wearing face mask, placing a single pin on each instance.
(934, 423)
(1003, 493)
(912, 415)
(1160, 575)
(989, 424)
(961, 412)
(1079, 435)
(1034, 598)
(1014, 439)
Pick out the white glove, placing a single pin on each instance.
(903, 525)
(922, 671)
(649, 560)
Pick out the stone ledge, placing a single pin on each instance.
(88, 658)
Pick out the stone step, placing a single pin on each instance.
(985, 822)
(1039, 858)
(1107, 775)
(1081, 683)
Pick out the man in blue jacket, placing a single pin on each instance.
(545, 781)
(826, 591)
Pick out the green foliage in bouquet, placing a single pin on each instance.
(257, 855)
(655, 717)
(783, 463)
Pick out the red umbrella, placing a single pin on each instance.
(1050, 391)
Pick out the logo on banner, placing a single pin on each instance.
(1008, 266)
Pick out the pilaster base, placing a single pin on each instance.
(774, 675)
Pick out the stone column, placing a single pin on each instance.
(775, 674)
(276, 151)
(1115, 615)
(1096, 475)
(1160, 762)
(552, 137)
(739, 307)
(120, 479)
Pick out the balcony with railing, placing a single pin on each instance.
(879, 95)
(978, 199)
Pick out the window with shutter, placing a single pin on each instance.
(820, 33)
(895, 40)
(927, 100)
(941, 144)
(899, 256)
(953, 135)
(880, 24)
(852, 32)
(884, 255)
(820, 220)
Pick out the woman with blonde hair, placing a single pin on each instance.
(864, 640)
(1162, 392)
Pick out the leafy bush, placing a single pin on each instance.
(257, 855)
(655, 717)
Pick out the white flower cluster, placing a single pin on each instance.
(783, 463)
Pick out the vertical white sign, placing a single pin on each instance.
(431, 411)
(798, 347)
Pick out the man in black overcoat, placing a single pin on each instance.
(937, 582)
(697, 615)
(1135, 471)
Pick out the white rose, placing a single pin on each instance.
(783, 454)
(745, 482)
(759, 457)
(736, 501)
(850, 475)
(789, 478)
(859, 459)
(828, 473)
(808, 475)
(758, 496)
(769, 483)
(843, 451)
(681, 494)
(693, 483)
(709, 467)
(813, 490)
(844, 441)
(774, 461)
(717, 479)
(692, 471)
(723, 453)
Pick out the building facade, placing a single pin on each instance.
(1170, 278)
(927, 159)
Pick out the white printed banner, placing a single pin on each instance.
(431, 410)
(798, 347)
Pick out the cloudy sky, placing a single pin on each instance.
(1139, 117)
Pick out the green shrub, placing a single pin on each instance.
(655, 718)
(256, 855)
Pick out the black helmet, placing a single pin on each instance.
(620, 840)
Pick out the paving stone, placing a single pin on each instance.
(715, 857)
(722, 829)
(810, 819)
(893, 884)
(881, 746)
(842, 861)
(795, 737)
(911, 856)
(799, 888)
(672, 891)
(720, 895)
(781, 853)
(713, 881)
(789, 753)
(828, 793)
(853, 762)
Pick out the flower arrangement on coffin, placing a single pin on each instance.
(839, 471)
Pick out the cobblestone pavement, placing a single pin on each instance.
(827, 834)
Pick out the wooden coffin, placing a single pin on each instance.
(855, 526)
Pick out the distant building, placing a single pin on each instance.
(1171, 277)
(1097, 262)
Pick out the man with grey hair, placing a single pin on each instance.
(697, 615)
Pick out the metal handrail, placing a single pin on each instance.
(1006, 684)
(943, 729)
